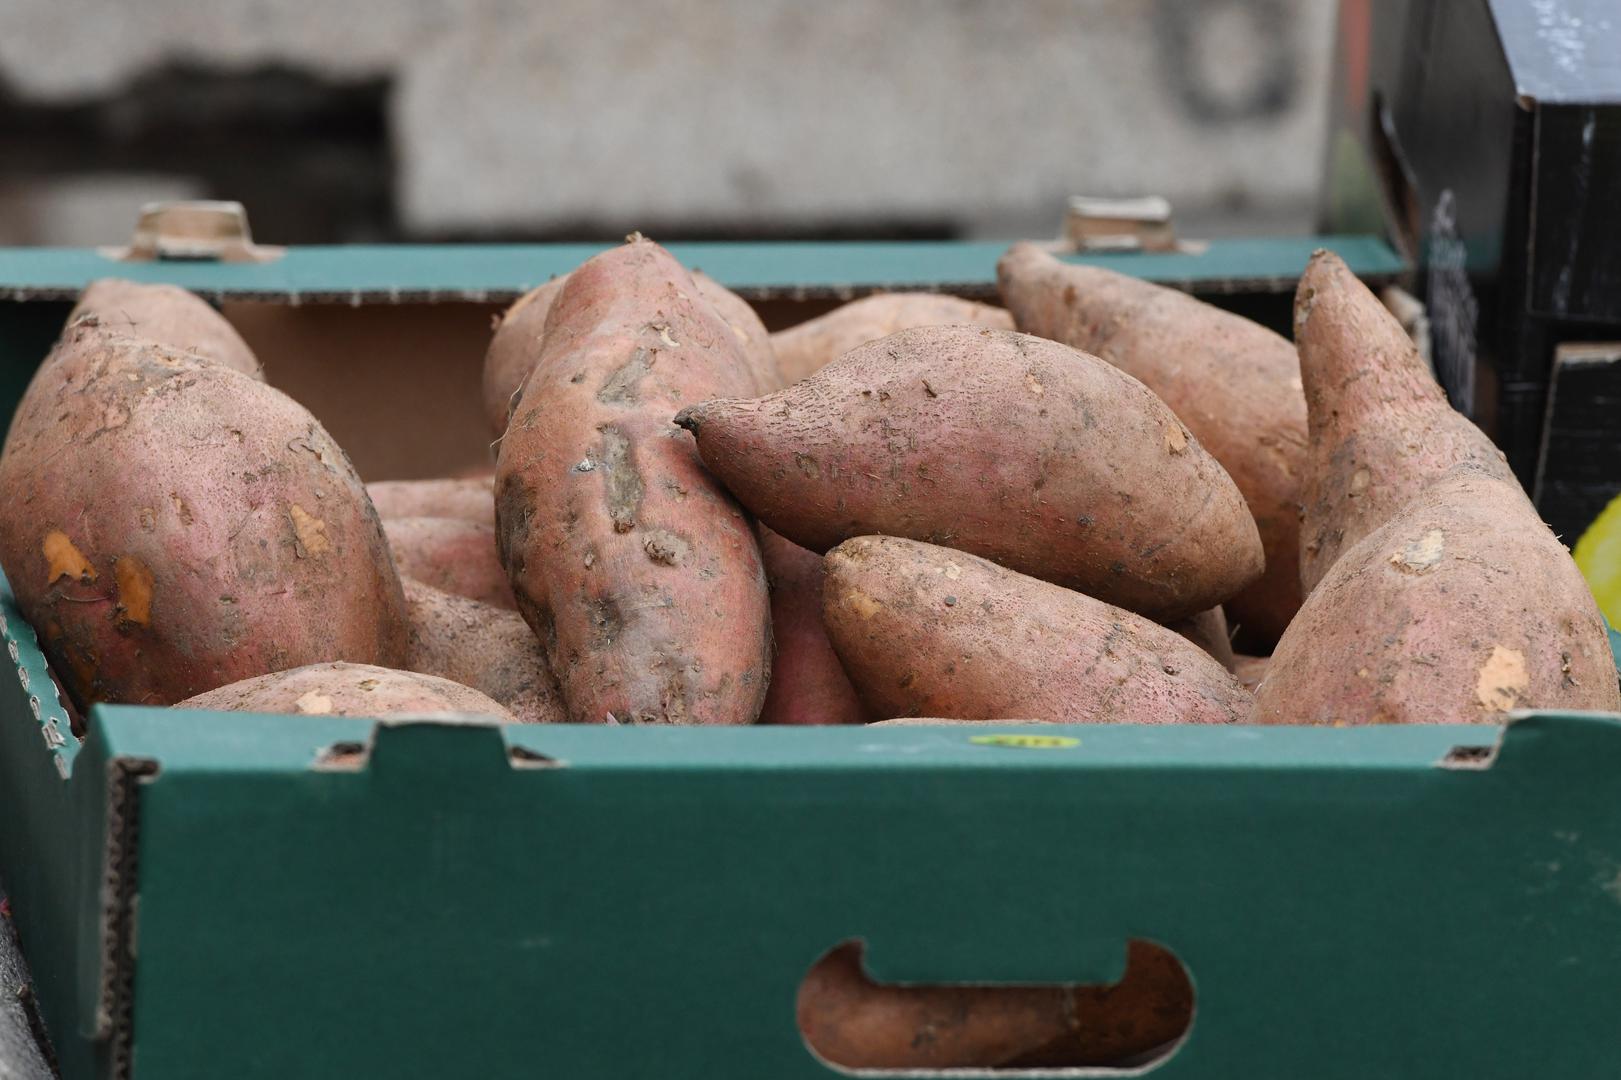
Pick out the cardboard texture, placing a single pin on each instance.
(204, 894)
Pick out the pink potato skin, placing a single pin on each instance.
(162, 314)
(469, 498)
(805, 349)
(513, 351)
(1233, 382)
(925, 631)
(639, 574)
(487, 648)
(1009, 446)
(1208, 630)
(453, 555)
(515, 348)
(168, 315)
(339, 689)
(1460, 607)
(173, 525)
(1381, 428)
(808, 684)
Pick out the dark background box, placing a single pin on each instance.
(1486, 134)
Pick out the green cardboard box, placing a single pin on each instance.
(207, 895)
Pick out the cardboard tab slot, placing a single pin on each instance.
(852, 1023)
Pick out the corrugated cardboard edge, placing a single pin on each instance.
(114, 1019)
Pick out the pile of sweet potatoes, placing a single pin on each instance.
(912, 507)
(1059, 511)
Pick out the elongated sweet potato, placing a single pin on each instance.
(849, 1020)
(928, 631)
(453, 555)
(168, 315)
(805, 349)
(1461, 606)
(808, 684)
(515, 348)
(1381, 429)
(465, 498)
(172, 525)
(1013, 447)
(513, 351)
(640, 575)
(348, 690)
(1234, 383)
(482, 646)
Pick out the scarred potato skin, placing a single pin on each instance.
(1461, 606)
(172, 526)
(1381, 428)
(452, 555)
(515, 348)
(805, 349)
(639, 574)
(808, 684)
(1234, 383)
(340, 689)
(928, 631)
(468, 498)
(1009, 446)
(168, 315)
(482, 646)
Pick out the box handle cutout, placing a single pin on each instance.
(858, 1026)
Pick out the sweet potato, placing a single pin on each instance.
(752, 336)
(169, 316)
(1234, 383)
(1381, 429)
(928, 631)
(482, 646)
(640, 575)
(161, 314)
(465, 498)
(851, 1021)
(1013, 447)
(1208, 630)
(172, 525)
(348, 690)
(515, 348)
(452, 555)
(808, 685)
(513, 351)
(1251, 670)
(805, 349)
(1461, 606)
(1150, 1007)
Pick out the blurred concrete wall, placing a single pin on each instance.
(969, 116)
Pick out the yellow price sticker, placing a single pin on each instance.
(1027, 742)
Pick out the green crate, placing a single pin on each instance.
(204, 894)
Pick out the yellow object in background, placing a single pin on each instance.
(1598, 553)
